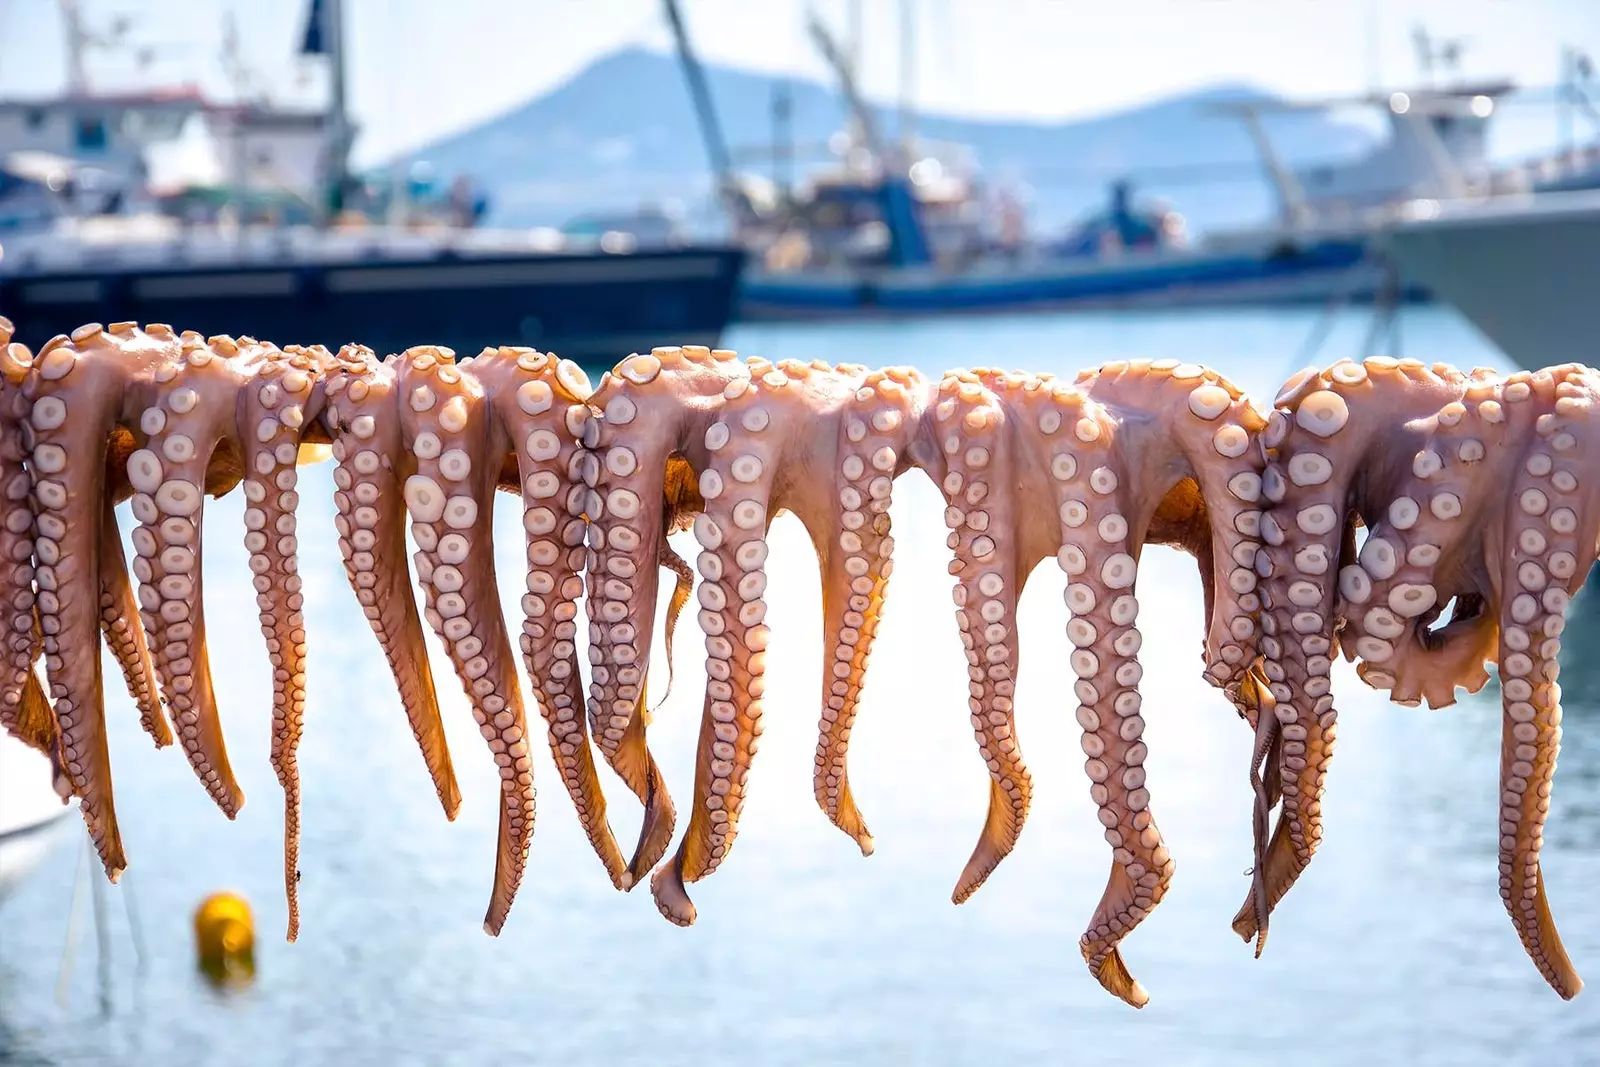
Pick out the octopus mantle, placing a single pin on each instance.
(1470, 489)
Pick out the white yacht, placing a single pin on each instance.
(1524, 270)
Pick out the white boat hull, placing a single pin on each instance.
(1525, 272)
(32, 818)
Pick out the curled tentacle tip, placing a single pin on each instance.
(625, 881)
(114, 874)
(666, 885)
(1244, 923)
(866, 843)
(972, 880)
(1113, 975)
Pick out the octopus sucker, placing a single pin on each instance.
(451, 502)
(74, 410)
(365, 428)
(1474, 491)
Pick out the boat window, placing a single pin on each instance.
(91, 133)
(34, 117)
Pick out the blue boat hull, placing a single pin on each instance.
(1315, 274)
(594, 309)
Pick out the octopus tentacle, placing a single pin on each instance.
(1105, 609)
(774, 422)
(74, 410)
(540, 402)
(682, 589)
(854, 547)
(1100, 560)
(278, 408)
(1550, 544)
(654, 411)
(119, 607)
(1325, 464)
(1130, 454)
(17, 602)
(737, 488)
(459, 451)
(990, 565)
(363, 417)
(182, 427)
(1204, 463)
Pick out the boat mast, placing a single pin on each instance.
(339, 158)
(908, 242)
(77, 41)
(705, 110)
(1292, 208)
(325, 37)
(836, 59)
(908, 73)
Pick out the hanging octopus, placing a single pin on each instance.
(1469, 489)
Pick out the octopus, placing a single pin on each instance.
(1423, 522)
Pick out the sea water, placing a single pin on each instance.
(1393, 948)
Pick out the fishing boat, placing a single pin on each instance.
(293, 247)
(893, 230)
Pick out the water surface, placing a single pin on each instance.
(1393, 948)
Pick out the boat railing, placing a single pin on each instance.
(73, 248)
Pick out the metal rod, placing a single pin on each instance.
(908, 71)
(338, 118)
(782, 137)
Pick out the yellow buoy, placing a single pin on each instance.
(225, 939)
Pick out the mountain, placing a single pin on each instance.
(622, 132)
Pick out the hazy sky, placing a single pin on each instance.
(420, 68)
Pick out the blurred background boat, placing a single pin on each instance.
(291, 245)
(901, 228)
(1524, 270)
